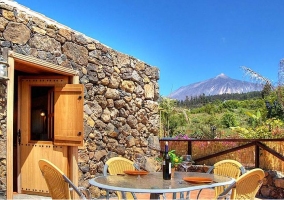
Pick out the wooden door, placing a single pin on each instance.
(36, 126)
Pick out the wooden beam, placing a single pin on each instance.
(10, 116)
(39, 66)
(73, 157)
(256, 155)
(268, 149)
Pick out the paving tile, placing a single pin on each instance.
(206, 194)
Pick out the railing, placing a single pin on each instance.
(252, 153)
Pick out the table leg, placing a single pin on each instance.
(187, 195)
(182, 197)
(107, 194)
(123, 195)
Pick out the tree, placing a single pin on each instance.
(266, 90)
(167, 106)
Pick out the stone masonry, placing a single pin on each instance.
(3, 138)
(121, 115)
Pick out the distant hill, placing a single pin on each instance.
(221, 84)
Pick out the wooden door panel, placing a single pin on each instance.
(32, 180)
(68, 115)
(31, 151)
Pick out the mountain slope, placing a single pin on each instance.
(221, 84)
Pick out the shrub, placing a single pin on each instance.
(229, 120)
(271, 128)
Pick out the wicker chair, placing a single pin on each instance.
(246, 186)
(117, 165)
(231, 168)
(57, 183)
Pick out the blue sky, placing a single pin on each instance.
(188, 40)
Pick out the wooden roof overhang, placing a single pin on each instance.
(30, 64)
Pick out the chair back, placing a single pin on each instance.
(248, 184)
(116, 165)
(231, 168)
(59, 185)
(58, 188)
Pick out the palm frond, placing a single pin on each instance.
(257, 77)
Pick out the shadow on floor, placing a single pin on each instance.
(26, 196)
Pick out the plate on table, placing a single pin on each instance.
(198, 179)
(135, 172)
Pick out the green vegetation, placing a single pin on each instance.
(229, 119)
(175, 159)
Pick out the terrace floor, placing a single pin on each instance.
(205, 194)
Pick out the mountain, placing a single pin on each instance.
(221, 84)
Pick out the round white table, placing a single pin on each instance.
(154, 184)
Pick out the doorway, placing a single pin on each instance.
(45, 115)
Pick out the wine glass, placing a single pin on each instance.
(186, 161)
(138, 162)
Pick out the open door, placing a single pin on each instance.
(50, 120)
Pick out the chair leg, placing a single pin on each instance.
(198, 194)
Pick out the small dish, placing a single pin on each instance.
(135, 172)
(198, 179)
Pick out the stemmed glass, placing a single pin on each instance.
(186, 161)
(138, 162)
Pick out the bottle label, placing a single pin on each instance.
(170, 168)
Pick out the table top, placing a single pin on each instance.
(154, 183)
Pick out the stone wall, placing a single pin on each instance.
(273, 185)
(121, 115)
(3, 138)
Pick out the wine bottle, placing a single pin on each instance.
(166, 164)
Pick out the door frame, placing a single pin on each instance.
(32, 65)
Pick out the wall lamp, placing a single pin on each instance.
(3, 69)
(42, 113)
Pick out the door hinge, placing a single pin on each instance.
(19, 136)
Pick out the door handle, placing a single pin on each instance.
(19, 136)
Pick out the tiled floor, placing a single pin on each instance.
(25, 196)
(206, 194)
